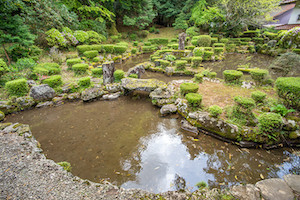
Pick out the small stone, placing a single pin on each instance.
(111, 96)
(74, 96)
(245, 192)
(168, 109)
(293, 181)
(25, 102)
(92, 93)
(44, 104)
(275, 189)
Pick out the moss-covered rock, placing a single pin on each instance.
(147, 85)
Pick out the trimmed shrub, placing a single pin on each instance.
(133, 36)
(55, 38)
(232, 76)
(53, 81)
(192, 31)
(186, 88)
(259, 75)
(190, 47)
(94, 37)
(196, 61)
(133, 51)
(108, 48)
(218, 45)
(170, 57)
(245, 39)
(84, 82)
(80, 68)
(246, 103)
(96, 59)
(70, 56)
(147, 43)
(115, 38)
(135, 43)
(198, 51)
(230, 47)
(244, 43)
(194, 99)
(224, 40)
(119, 74)
(175, 46)
(91, 54)
(297, 51)
(180, 64)
(47, 69)
(215, 111)
(97, 72)
(270, 122)
(163, 63)
(204, 41)
(148, 49)
(258, 40)
(198, 78)
(133, 76)
(258, 96)
(207, 48)
(17, 87)
(120, 49)
(212, 75)
(208, 55)
(83, 48)
(73, 61)
(219, 50)
(288, 88)
(214, 40)
(81, 36)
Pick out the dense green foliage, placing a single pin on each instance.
(194, 99)
(258, 96)
(17, 87)
(180, 64)
(53, 81)
(198, 78)
(118, 75)
(215, 111)
(259, 75)
(270, 122)
(84, 82)
(288, 88)
(232, 76)
(97, 72)
(80, 68)
(186, 88)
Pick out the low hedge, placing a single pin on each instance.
(214, 40)
(194, 99)
(97, 72)
(198, 78)
(80, 68)
(259, 75)
(218, 45)
(17, 87)
(232, 76)
(175, 46)
(133, 51)
(204, 41)
(219, 50)
(159, 41)
(108, 48)
(47, 69)
(133, 76)
(83, 48)
(147, 43)
(270, 122)
(230, 47)
(53, 81)
(90, 54)
(258, 96)
(180, 64)
(212, 75)
(208, 55)
(96, 59)
(163, 63)
(207, 48)
(246, 103)
(224, 40)
(196, 61)
(148, 49)
(120, 49)
(198, 51)
(186, 88)
(215, 111)
(84, 82)
(118, 75)
(288, 88)
(73, 61)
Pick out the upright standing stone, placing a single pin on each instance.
(182, 37)
(108, 72)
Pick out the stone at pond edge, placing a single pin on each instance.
(275, 189)
(7, 107)
(185, 125)
(42, 92)
(92, 93)
(74, 96)
(168, 109)
(147, 85)
(245, 192)
(25, 102)
(44, 104)
(111, 96)
(293, 181)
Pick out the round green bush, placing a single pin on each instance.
(55, 38)
(196, 61)
(212, 75)
(288, 88)
(96, 59)
(259, 75)
(198, 78)
(232, 76)
(17, 87)
(246, 103)
(148, 49)
(198, 51)
(147, 43)
(73, 61)
(84, 82)
(97, 72)
(91, 54)
(133, 51)
(53, 81)
(80, 68)
(94, 37)
(120, 49)
(81, 36)
(133, 76)
(194, 99)
(215, 111)
(180, 64)
(204, 41)
(96, 47)
(83, 48)
(186, 88)
(108, 48)
(119, 74)
(270, 122)
(258, 96)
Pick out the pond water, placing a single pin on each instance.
(126, 142)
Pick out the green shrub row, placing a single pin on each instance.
(232, 76)
(186, 88)
(84, 82)
(97, 72)
(180, 64)
(80, 68)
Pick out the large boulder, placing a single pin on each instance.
(42, 92)
(92, 93)
(245, 192)
(168, 109)
(147, 85)
(293, 181)
(139, 70)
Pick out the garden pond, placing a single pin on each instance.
(127, 142)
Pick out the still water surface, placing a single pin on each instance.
(128, 143)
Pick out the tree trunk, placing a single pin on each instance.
(6, 54)
(108, 72)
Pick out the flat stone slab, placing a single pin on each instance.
(147, 85)
(293, 181)
(275, 189)
(245, 192)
